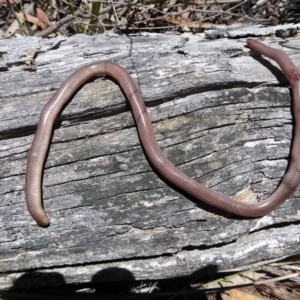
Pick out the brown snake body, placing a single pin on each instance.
(41, 141)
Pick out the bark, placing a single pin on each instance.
(222, 116)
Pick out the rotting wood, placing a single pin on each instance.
(219, 115)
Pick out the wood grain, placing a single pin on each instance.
(221, 116)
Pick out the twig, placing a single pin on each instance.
(197, 10)
(55, 26)
(277, 279)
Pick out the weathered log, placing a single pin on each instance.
(220, 115)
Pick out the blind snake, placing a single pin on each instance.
(42, 138)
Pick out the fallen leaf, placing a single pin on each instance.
(31, 19)
(41, 15)
(185, 15)
(172, 20)
(239, 295)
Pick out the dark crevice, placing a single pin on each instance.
(122, 260)
(205, 247)
(276, 226)
(90, 114)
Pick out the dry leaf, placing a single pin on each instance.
(41, 15)
(185, 15)
(12, 28)
(280, 291)
(172, 20)
(239, 295)
(31, 19)
(202, 25)
(238, 279)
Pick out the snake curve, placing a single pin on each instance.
(42, 138)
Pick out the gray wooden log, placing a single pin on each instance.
(220, 115)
